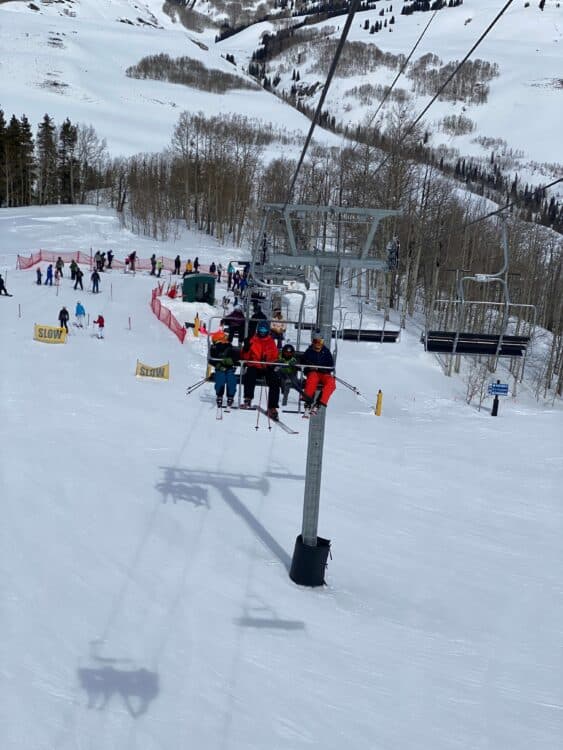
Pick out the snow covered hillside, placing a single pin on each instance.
(144, 546)
(69, 59)
(520, 119)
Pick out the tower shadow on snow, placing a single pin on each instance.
(182, 484)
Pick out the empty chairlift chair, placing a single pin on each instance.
(481, 328)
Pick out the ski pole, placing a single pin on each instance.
(348, 385)
(355, 391)
(259, 406)
(195, 386)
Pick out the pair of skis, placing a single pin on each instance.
(282, 425)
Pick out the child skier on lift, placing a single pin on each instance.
(224, 359)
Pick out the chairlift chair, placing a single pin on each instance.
(495, 317)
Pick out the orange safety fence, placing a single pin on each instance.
(141, 264)
(165, 315)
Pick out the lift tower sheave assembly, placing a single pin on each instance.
(346, 236)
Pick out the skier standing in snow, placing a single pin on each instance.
(177, 265)
(38, 272)
(159, 267)
(319, 364)
(230, 272)
(101, 324)
(79, 275)
(95, 279)
(63, 318)
(3, 289)
(224, 359)
(153, 265)
(196, 264)
(59, 265)
(261, 349)
(110, 258)
(80, 313)
(49, 275)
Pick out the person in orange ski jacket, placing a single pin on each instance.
(261, 349)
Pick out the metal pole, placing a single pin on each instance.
(311, 500)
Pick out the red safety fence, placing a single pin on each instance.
(48, 257)
(165, 315)
(141, 264)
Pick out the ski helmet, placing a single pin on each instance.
(316, 335)
(263, 329)
(288, 350)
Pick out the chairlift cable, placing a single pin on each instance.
(415, 122)
(399, 74)
(504, 208)
(351, 13)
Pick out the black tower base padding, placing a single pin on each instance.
(309, 563)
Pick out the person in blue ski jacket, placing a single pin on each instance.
(49, 275)
(80, 313)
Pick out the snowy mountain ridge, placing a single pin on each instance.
(69, 59)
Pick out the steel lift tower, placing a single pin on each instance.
(329, 238)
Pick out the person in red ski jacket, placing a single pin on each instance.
(261, 349)
(100, 323)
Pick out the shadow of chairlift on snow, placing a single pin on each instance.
(183, 483)
(135, 688)
(263, 616)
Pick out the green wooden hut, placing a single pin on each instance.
(199, 287)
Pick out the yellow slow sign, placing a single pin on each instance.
(49, 334)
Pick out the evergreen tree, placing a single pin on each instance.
(67, 170)
(12, 162)
(2, 159)
(27, 161)
(46, 162)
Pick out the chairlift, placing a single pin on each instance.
(481, 328)
(378, 335)
(215, 324)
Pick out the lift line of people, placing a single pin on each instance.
(260, 357)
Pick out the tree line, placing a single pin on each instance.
(61, 164)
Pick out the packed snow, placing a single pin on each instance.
(145, 545)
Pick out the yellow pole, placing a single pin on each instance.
(196, 325)
(379, 403)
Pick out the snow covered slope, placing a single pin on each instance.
(525, 101)
(144, 545)
(69, 59)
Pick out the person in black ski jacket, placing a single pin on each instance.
(63, 318)
(79, 275)
(177, 265)
(95, 279)
(319, 364)
(224, 359)
(3, 289)
(235, 323)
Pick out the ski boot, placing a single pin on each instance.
(229, 402)
(219, 402)
(273, 414)
(246, 404)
